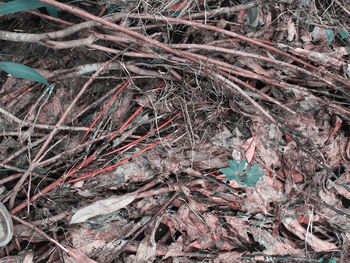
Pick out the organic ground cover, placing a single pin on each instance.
(175, 131)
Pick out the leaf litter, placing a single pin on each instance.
(210, 131)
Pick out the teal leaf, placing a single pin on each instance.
(21, 5)
(233, 164)
(255, 168)
(228, 171)
(250, 182)
(230, 174)
(244, 176)
(330, 36)
(348, 48)
(332, 260)
(253, 17)
(241, 165)
(242, 180)
(343, 34)
(23, 71)
(52, 10)
(256, 173)
(176, 13)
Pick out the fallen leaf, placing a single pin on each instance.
(102, 207)
(336, 127)
(317, 244)
(249, 145)
(291, 30)
(146, 250)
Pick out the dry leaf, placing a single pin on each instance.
(291, 30)
(249, 145)
(146, 250)
(102, 207)
(317, 244)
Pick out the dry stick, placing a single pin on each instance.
(23, 149)
(245, 73)
(40, 126)
(132, 117)
(146, 39)
(43, 37)
(34, 163)
(224, 10)
(143, 137)
(80, 257)
(248, 74)
(244, 38)
(235, 87)
(247, 54)
(253, 41)
(239, 71)
(85, 14)
(104, 109)
(9, 178)
(87, 68)
(121, 162)
(233, 70)
(51, 186)
(177, 20)
(80, 146)
(62, 178)
(82, 13)
(262, 94)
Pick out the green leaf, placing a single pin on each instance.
(23, 71)
(348, 48)
(21, 5)
(343, 34)
(330, 36)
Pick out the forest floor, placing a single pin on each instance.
(176, 131)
